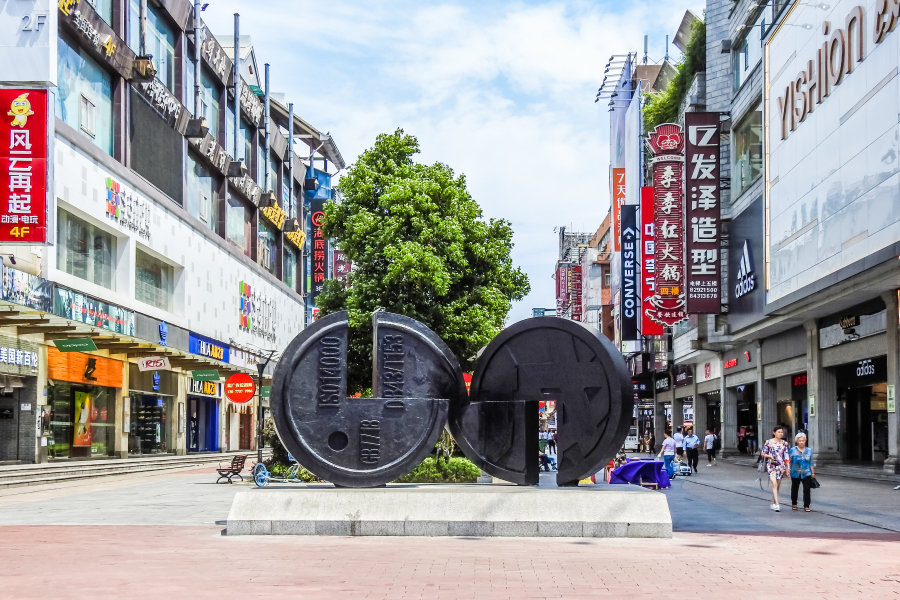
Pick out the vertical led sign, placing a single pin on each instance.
(703, 222)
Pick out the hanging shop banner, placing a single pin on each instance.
(239, 388)
(618, 186)
(575, 286)
(667, 143)
(90, 311)
(630, 305)
(23, 164)
(319, 247)
(648, 262)
(154, 363)
(341, 266)
(704, 223)
(562, 286)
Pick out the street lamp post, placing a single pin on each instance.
(261, 367)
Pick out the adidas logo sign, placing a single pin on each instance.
(746, 280)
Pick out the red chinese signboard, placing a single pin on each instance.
(562, 286)
(239, 388)
(648, 262)
(667, 143)
(618, 195)
(23, 158)
(704, 223)
(318, 248)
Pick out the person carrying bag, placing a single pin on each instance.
(803, 472)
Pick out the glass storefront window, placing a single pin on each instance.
(160, 40)
(84, 95)
(748, 53)
(85, 251)
(290, 267)
(247, 155)
(150, 419)
(747, 154)
(238, 227)
(267, 251)
(154, 281)
(202, 200)
(202, 424)
(82, 421)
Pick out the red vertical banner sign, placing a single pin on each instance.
(648, 262)
(562, 287)
(618, 201)
(23, 161)
(319, 248)
(667, 143)
(703, 222)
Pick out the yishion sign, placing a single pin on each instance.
(835, 60)
(704, 267)
(667, 143)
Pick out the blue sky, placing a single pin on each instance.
(501, 91)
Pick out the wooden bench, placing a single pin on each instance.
(237, 465)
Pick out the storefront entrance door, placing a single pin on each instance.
(863, 427)
(246, 432)
(9, 427)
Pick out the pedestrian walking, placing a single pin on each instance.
(803, 470)
(692, 449)
(710, 443)
(751, 441)
(551, 442)
(652, 443)
(778, 462)
(679, 443)
(668, 453)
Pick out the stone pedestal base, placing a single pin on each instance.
(892, 464)
(452, 510)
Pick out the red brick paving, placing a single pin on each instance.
(94, 562)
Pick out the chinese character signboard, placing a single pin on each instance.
(629, 291)
(562, 287)
(618, 185)
(318, 248)
(703, 223)
(648, 262)
(667, 143)
(341, 268)
(23, 164)
(575, 292)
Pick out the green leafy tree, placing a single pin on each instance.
(422, 249)
(662, 107)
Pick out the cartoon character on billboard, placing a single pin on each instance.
(83, 434)
(20, 110)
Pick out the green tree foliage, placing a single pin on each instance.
(662, 107)
(432, 470)
(421, 248)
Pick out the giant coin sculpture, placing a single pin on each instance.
(544, 358)
(364, 442)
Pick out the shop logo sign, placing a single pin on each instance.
(865, 367)
(156, 381)
(163, 334)
(90, 368)
(153, 363)
(746, 279)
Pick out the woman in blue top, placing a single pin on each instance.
(803, 469)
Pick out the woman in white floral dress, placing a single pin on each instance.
(778, 462)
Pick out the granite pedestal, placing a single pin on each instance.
(452, 510)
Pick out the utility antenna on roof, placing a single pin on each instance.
(645, 49)
(667, 49)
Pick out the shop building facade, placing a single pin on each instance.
(810, 341)
(172, 236)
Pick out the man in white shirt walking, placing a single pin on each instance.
(679, 444)
(691, 448)
(710, 442)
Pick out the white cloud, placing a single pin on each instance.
(500, 91)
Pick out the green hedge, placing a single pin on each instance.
(457, 470)
(302, 474)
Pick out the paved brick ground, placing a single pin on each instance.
(198, 562)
